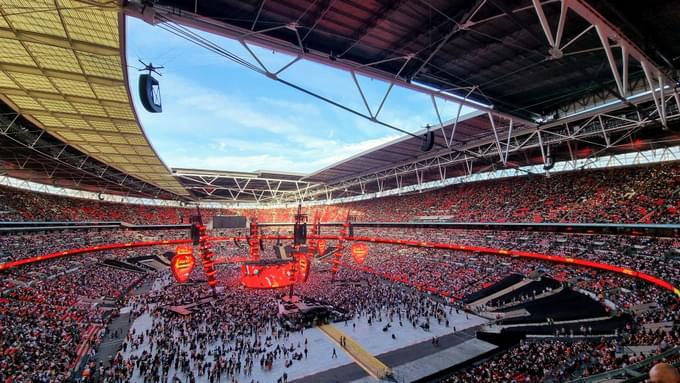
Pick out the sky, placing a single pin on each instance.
(220, 115)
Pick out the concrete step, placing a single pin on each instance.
(539, 296)
(483, 301)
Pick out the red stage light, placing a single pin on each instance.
(322, 247)
(359, 252)
(303, 267)
(182, 263)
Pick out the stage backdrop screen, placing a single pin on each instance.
(229, 222)
(267, 276)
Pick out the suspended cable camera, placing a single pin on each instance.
(149, 88)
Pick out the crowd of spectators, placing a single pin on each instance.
(47, 313)
(226, 340)
(549, 361)
(457, 274)
(46, 307)
(441, 269)
(15, 246)
(559, 360)
(642, 194)
(43, 289)
(657, 256)
(245, 321)
(42, 207)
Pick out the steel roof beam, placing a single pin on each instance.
(57, 96)
(86, 167)
(81, 46)
(600, 125)
(27, 69)
(188, 174)
(588, 13)
(260, 39)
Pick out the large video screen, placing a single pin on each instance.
(267, 276)
(229, 222)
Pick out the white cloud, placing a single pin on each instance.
(279, 157)
(204, 128)
(219, 115)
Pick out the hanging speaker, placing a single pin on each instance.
(549, 161)
(428, 142)
(150, 93)
(195, 234)
(300, 233)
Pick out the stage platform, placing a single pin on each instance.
(440, 361)
(413, 362)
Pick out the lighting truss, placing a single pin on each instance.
(618, 49)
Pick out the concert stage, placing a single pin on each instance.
(296, 312)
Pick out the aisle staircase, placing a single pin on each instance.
(363, 358)
(90, 334)
(533, 298)
(497, 294)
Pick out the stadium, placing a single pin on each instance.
(455, 191)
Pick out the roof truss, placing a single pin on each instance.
(244, 187)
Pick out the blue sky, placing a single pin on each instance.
(220, 115)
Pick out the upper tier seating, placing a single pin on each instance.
(643, 194)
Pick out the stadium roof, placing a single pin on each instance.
(402, 150)
(62, 69)
(551, 80)
(259, 186)
(528, 59)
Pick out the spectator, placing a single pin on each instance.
(664, 373)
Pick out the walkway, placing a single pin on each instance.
(396, 358)
(109, 346)
(363, 358)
